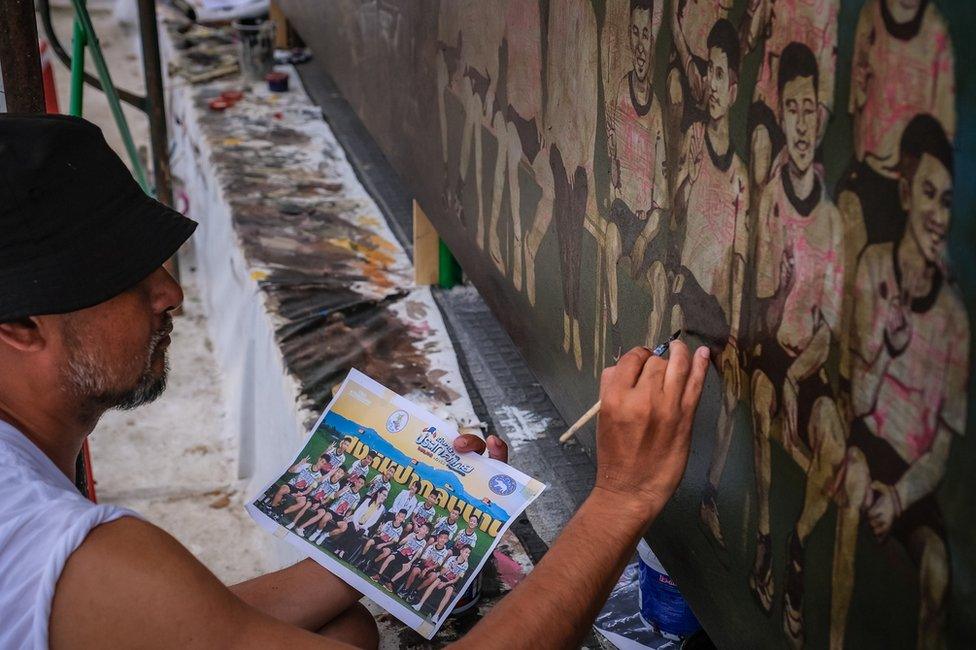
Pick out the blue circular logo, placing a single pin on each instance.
(397, 421)
(502, 485)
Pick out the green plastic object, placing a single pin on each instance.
(449, 271)
(84, 37)
(78, 43)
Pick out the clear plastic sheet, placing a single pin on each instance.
(619, 621)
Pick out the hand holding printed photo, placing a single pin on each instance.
(378, 495)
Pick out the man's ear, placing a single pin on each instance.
(733, 91)
(23, 335)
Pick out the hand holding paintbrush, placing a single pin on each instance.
(593, 410)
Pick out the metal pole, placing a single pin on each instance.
(156, 103)
(19, 59)
(156, 110)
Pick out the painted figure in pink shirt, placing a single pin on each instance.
(902, 65)
(706, 285)
(774, 24)
(910, 350)
(636, 150)
(798, 284)
(687, 86)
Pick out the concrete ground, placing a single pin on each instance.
(173, 461)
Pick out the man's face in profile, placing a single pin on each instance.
(114, 354)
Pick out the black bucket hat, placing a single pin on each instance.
(75, 227)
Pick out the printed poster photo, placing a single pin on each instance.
(378, 496)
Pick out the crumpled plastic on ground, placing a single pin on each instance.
(619, 621)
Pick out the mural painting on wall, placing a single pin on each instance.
(872, 276)
(689, 152)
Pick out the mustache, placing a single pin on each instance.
(165, 329)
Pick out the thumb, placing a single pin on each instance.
(469, 442)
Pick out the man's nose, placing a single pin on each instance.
(167, 294)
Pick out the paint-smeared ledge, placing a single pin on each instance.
(335, 282)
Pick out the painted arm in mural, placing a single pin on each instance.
(922, 477)
(827, 64)
(740, 248)
(872, 317)
(643, 437)
(753, 25)
(740, 252)
(689, 163)
(774, 268)
(861, 73)
(696, 81)
(925, 473)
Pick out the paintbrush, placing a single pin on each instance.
(593, 410)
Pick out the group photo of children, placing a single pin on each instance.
(389, 533)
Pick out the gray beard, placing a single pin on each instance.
(88, 381)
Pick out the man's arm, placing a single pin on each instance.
(132, 585)
(304, 594)
(642, 447)
(870, 361)
(696, 81)
(753, 24)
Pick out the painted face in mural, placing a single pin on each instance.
(640, 41)
(721, 87)
(927, 198)
(800, 120)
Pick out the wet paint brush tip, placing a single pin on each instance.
(662, 348)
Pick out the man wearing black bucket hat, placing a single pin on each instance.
(84, 327)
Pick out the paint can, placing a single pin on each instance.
(277, 82)
(470, 598)
(662, 607)
(255, 47)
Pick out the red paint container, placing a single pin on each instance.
(219, 104)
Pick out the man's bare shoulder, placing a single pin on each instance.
(130, 583)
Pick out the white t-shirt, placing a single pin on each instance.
(43, 519)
